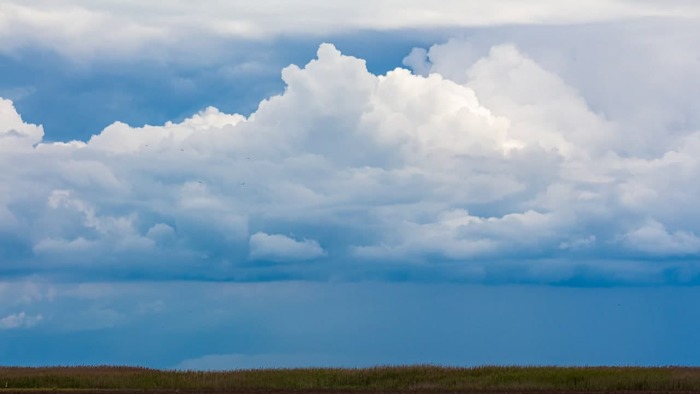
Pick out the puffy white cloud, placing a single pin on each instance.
(120, 138)
(460, 236)
(653, 238)
(109, 232)
(649, 89)
(14, 133)
(502, 160)
(541, 106)
(116, 28)
(280, 248)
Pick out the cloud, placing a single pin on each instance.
(14, 133)
(653, 106)
(457, 235)
(19, 320)
(82, 29)
(23, 293)
(278, 247)
(653, 238)
(503, 164)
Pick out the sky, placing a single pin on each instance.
(300, 183)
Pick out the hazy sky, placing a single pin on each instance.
(277, 184)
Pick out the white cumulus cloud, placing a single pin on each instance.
(654, 238)
(500, 160)
(278, 247)
(14, 133)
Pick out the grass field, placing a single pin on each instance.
(414, 378)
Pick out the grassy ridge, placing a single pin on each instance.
(380, 378)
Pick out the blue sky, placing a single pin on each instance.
(302, 185)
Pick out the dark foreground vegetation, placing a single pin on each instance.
(380, 379)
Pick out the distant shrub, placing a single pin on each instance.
(411, 378)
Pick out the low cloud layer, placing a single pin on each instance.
(470, 168)
(18, 321)
(85, 29)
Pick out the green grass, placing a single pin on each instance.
(418, 378)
